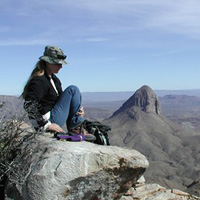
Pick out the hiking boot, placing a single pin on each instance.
(82, 131)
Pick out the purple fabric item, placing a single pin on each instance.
(76, 137)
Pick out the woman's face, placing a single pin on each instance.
(53, 68)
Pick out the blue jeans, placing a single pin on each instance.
(66, 108)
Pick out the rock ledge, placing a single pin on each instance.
(57, 170)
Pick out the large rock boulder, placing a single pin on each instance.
(57, 170)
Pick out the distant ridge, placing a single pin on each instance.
(124, 95)
(118, 96)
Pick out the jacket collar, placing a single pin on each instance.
(48, 77)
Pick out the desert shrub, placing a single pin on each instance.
(14, 132)
(10, 141)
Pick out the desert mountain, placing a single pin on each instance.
(181, 108)
(144, 98)
(174, 153)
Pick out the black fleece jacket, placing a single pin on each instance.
(41, 97)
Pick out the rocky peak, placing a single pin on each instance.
(144, 98)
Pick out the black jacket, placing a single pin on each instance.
(41, 96)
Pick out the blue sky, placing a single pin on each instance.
(112, 45)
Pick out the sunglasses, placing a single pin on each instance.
(61, 56)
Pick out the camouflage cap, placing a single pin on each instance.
(54, 55)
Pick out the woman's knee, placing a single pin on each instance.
(72, 89)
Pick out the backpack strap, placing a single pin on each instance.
(89, 125)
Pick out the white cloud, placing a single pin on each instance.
(98, 20)
(180, 16)
(176, 16)
(24, 42)
(98, 39)
(164, 53)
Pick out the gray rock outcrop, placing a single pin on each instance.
(56, 170)
(145, 99)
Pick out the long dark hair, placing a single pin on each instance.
(39, 70)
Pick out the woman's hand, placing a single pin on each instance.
(81, 112)
(55, 127)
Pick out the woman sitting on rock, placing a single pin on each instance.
(45, 102)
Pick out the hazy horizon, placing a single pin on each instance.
(124, 95)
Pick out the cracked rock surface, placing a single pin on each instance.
(57, 170)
